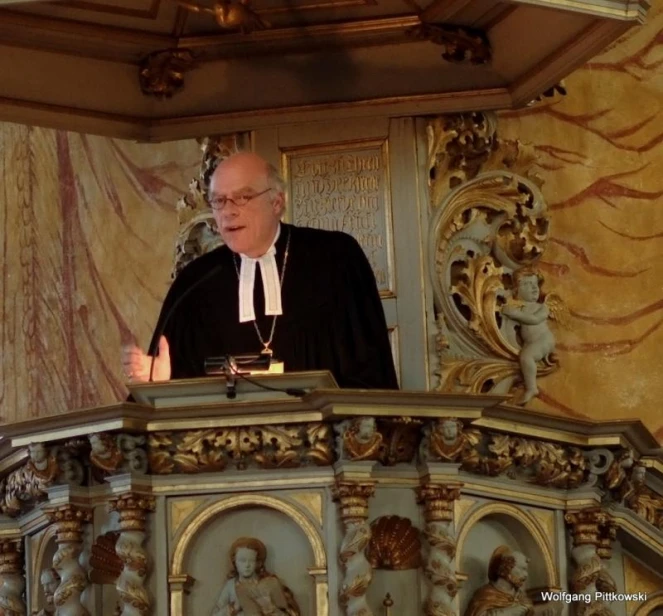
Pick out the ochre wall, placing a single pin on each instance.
(601, 153)
(88, 226)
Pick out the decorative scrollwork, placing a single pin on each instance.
(161, 73)
(201, 451)
(459, 43)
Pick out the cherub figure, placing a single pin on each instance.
(231, 15)
(250, 589)
(359, 439)
(532, 311)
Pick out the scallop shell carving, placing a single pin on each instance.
(105, 564)
(395, 544)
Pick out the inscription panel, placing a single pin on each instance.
(345, 187)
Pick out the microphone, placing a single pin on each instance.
(157, 336)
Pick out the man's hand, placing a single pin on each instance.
(136, 363)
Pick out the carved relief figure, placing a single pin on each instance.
(532, 313)
(29, 481)
(250, 589)
(49, 580)
(505, 594)
(447, 440)
(359, 439)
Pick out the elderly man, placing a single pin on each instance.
(306, 295)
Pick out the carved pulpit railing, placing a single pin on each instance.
(334, 499)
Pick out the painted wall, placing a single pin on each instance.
(601, 153)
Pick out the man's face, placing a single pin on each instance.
(247, 229)
(518, 574)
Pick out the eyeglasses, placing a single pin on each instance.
(218, 203)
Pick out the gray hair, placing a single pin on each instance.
(275, 179)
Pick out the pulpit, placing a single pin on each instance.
(188, 503)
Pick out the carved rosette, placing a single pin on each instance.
(352, 498)
(459, 44)
(198, 233)
(589, 575)
(439, 566)
(68, 521)
(11, 574)
(133, 510)
(489, 220)
(161, 73)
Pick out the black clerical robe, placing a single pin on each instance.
(332, 314)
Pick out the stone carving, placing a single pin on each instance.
(446, 440)
(439, 565)
(589, 575)
(532, 312)
(535, 461)
(118, 453)
(49, 580)
(358, 439)
(45, 467)
(12, 582)
(394, 544)
(198, 233)
(68, 521)
(505, 595)
(198, 451)
(487, 225)
(230, 15)
(353, 501)
(251, 590)
(161, 73)
(130, 584)
(460, 43)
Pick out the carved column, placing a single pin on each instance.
(68, 521)
(13, 582)
(440, 567)
(589, 576)
(133, 509)
(352, 497)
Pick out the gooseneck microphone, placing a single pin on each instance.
(154, 347)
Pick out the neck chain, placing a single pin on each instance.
(266, 345)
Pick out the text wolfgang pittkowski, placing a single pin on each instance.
(568, 597)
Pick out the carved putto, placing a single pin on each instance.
(251, 590)
(359, 439)
(116, 453)
(488, 233)
(446, 440)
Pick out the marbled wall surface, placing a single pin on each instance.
(87, 227)
(601, 152)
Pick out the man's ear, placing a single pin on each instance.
(279, 204)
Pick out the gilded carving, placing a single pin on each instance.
(45, 467)
(11, 577)
(133, 510)
(489, 230)
(447, 440)
(394, 544)
(641, 499)
(161, 73)
(353, 502)
(197, 229)
(459, 43)
(117, 453)
(230, 15)
(200, 451)
(439, 533)
(400, 440)
(589, 575)
(358, 439)
(105, 564)
(68, 521)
